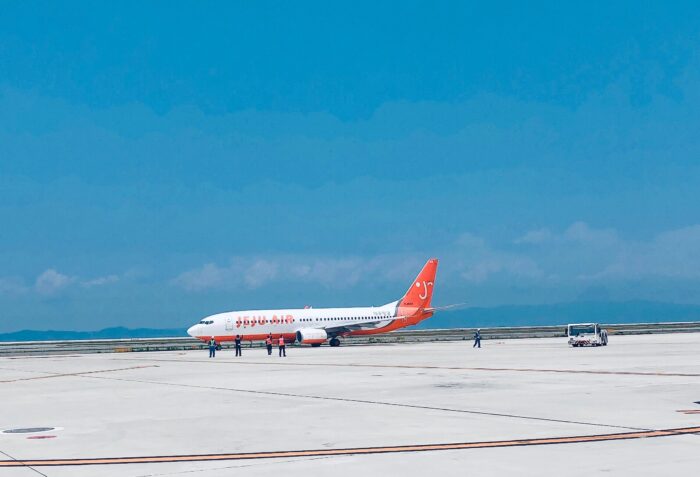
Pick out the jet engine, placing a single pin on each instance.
(311, 336)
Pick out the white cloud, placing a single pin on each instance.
(579, 255)
(206, 277)
(582, 232)
(577, 232)
(671, 254)
(255, 272)
(12, 286)
(332, 272)
(521, 267)
(584, 253)
(260, 273)
(535, 237)
(469, 240)
(51, 282)
(100, 281)
(478, 261)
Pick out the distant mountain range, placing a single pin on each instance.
(105, 334)
(515, 315)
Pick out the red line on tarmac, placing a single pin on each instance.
(349, 451)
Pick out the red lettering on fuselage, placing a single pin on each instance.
(252, 321)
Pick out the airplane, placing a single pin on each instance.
(315, 326)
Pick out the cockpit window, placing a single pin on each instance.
(206, 322)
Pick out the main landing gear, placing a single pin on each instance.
(334, 342)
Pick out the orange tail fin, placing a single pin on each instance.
(420, 292)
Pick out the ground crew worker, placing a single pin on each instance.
(283, 348)
(212, 347)
(238, 346)
(477, 339)
(268, 343)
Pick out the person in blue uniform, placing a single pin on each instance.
(238, 346)
(477, 339)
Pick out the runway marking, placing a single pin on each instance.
(358, 401)
(409, 366)
(349, 451)
(80, 373)
(365, 401)
(242, 465)
(21, 464)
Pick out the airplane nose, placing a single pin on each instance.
(192, 331)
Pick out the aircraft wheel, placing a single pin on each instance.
(334, 342)
(315, 345)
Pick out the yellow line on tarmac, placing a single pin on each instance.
(349, 451)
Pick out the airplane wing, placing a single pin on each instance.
(374, 323)
(362, 325)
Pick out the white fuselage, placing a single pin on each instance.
(258, 324)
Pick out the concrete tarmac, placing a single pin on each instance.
(523, 407)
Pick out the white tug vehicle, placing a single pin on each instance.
(587, 334)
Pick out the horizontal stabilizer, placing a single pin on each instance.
(445, 307)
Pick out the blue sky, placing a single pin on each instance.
(167, 160)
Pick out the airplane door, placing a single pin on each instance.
(229, 324)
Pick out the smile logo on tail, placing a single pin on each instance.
(424, 294)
